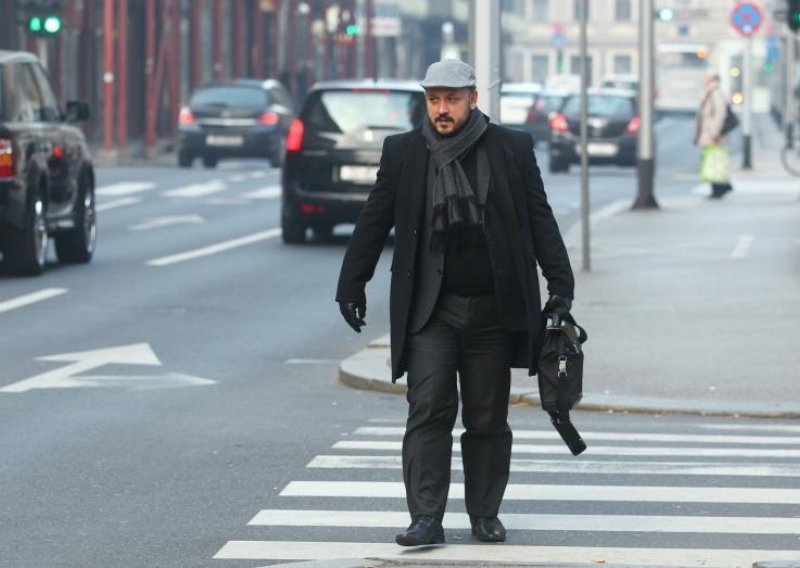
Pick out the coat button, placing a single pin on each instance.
(439, 271)
(410, 273)
(415, 232)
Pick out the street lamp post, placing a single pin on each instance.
(645, 198)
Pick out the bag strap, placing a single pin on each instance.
(581, 336)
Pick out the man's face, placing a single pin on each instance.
(448, 109)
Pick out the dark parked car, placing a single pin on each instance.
(241, 118)
(541, 111)
(613, 130)
(334, 147)
(46, 171)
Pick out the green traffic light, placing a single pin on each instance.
(353, 29)
(52, 24)
(666, 14)
(35, 24)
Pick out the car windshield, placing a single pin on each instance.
(244, 97)
(344, 111)
(600, 105)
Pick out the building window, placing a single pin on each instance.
(575, 67)
(540, 65)
(622, 10)
(541, 10)
(577, 6)
(623, 64)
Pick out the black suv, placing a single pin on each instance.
(46, 172)
(334, 148)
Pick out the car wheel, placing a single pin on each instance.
(184, 159)
(26, 249)
(293, 232)
(210, 162)
(77, 244)
(323, 232)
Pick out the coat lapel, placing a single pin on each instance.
(414, 179)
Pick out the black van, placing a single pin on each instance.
(46, 171)
(334, 147)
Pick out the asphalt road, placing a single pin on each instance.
(191, 372)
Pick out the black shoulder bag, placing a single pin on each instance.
(560, 376)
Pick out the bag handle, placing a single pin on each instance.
(557, 320)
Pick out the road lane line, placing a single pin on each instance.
(398, 432)
(531, 522)
(742, 246)
(124, 188)
(31, 298)
(216, 248)
(585, 467)
(507, 553)
(550, 492)
(197, 189)
(596, 450)
(123, 202)
(269, 192)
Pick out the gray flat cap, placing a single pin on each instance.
(450, 74)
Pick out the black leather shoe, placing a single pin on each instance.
(424, 530)
(489, 529)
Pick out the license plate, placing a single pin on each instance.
(600, 149)
(358, 174)
(216, 140)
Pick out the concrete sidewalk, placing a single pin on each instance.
(692, 308)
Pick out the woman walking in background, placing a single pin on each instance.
(708, 134)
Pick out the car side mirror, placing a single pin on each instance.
(77, 111)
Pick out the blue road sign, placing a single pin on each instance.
(746, 18)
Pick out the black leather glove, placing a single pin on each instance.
(558, 305)
(353, 313)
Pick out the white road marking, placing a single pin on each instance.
(309, 361)
(216, 248)
(742, 246)
(545, 492)
(165, 221)
(596, 450)
(508, 553)
(31, 298)
(116, 203)
(197, 189)
(269, 192)
(124, 188)
(578, 467)
(528, 522)
(754, 427)
(609, 436)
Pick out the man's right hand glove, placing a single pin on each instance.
(353, 313)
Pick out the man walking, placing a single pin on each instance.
(471, 220)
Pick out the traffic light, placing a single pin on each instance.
(353, 29)
(665, 14)
(43, 17)
(793, 14)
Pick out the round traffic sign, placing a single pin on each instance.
(746, 18)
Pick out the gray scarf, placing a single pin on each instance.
(458, 211)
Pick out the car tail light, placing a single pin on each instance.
(558, 123)
(8, 164)
(186, 116)
(294, 140)
(533, 116)
(633, 126)
(269, 118)
(312, 209)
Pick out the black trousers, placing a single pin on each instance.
(464, 336)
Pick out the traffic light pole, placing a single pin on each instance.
(586, 255)
(645, 198)
(747, 119)
(790, 112)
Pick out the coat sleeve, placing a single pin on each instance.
(369, 236)
(548, 244)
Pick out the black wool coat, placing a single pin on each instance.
(521, 232)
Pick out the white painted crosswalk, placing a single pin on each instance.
(720, 483)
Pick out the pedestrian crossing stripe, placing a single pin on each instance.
(574, 466)
(536, 522)
(548, 492)
(612, 436)
(597, 450)
(290, 550)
